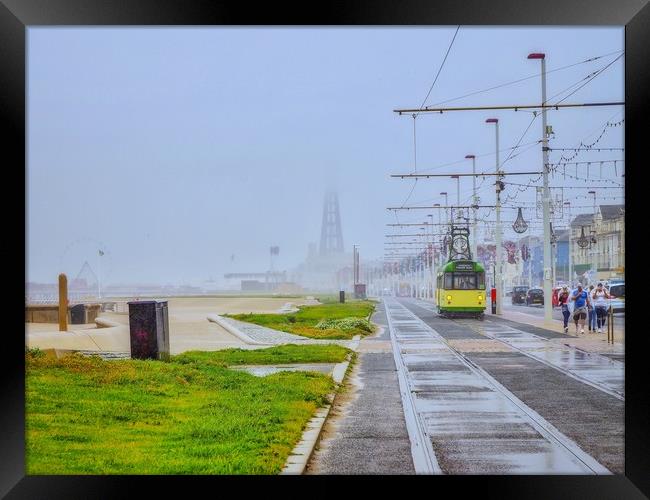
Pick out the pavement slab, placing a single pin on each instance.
(366, 431)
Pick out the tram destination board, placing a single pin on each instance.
(464, 266)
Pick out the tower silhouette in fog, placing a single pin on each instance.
(331, 236)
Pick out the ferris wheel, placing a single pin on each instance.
(88, 259)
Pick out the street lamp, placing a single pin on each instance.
(458, 214)
(444, 193)
(548, 311)
(432, 263)
(474, 202)
(498, 272)
(355, 263)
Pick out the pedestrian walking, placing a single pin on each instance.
(591, 318)
(563, 301)
(580, 297)
(600, 296)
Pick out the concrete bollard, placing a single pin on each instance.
(63, 302)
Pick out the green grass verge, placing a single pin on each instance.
(305, 321)
(191, 415)
(277, 355)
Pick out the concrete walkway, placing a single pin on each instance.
(365, 432)
(556, 326)
(252, 333)
(189, 328)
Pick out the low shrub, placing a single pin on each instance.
(344, 324)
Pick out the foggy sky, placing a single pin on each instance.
(174, 149)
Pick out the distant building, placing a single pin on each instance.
(562, 256)
(606, 258)
(532, 269)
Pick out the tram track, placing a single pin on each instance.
(569, 373)
(424, 458)
(479, 327)
(539, 423)
(422, 439)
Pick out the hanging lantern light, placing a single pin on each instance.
(520, 224)
(583, 242)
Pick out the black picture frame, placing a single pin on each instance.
(17, 15)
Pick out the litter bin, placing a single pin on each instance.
(149, 329)
(342, 296)
(78, 314)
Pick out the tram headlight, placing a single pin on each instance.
(480, 298)
(448, 298)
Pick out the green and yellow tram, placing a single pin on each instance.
(460, 289)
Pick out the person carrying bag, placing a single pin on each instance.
(580, 312)
(563, 300)
(599, 297)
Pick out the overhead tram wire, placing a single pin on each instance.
(520, 139)
(441, 66)
(516, 107)
(600, 72)
(589, 78)
(536, 75)
(456, 162)
(511, 155)
(415, 115)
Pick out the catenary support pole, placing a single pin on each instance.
(548, 311)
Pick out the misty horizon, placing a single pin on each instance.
(184, 154)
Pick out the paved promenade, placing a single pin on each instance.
(589, 341)
(366, 430)
(188, 325)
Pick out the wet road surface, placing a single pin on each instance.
(472, 423)
(603, 372)
(593, 419)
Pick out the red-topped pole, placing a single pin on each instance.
(548, 311)
(474, 202)
(498, 258)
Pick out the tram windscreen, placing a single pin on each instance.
(464, 281)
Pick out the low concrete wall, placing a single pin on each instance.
(50, 313)
(43, 314)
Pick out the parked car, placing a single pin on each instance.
(617, 297)
(519, 294)
(535, 296)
